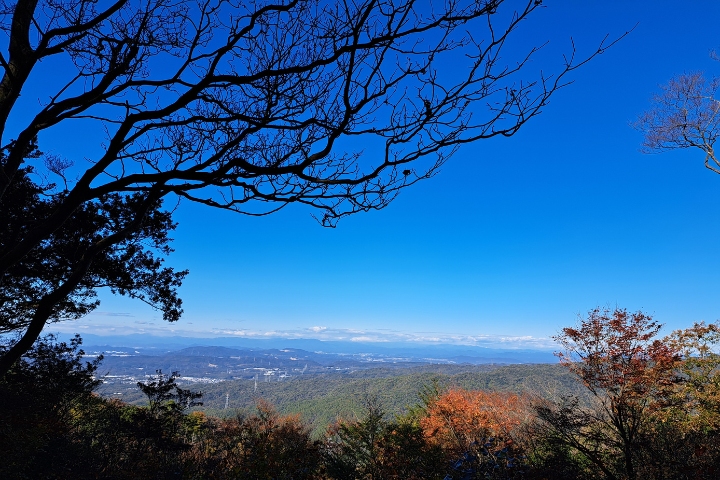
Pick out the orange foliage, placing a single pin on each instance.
(263, 445)
(459, 417)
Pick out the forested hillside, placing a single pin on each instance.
(622, 405)
(321, 399)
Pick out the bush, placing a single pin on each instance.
(263, 445)
(39, 398)
(375, 448)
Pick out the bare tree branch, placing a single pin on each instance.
(254, 105)
(683, 115)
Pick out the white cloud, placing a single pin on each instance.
(365, 339)
(426, 339)
(239, 333)
(109, 326)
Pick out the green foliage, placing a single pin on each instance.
(696, 401)
(53, 426)
(38, 400)
(52, 372)
(427, 395)
(650, 397)
(116, 241)
(373, 448)
(165, 397)
(132, 267)
(353, 447)
(321, 400)
(261, 445)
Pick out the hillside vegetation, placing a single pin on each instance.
(320, 401)
(621, 405)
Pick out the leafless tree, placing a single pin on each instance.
(684, 115)
(254, 105)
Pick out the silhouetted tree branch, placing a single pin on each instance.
(251, 106)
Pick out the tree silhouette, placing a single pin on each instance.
(252, 106)
(132, 267)
(164, 395)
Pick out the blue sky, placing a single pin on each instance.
(511, 241)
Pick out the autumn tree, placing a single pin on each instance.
(249, 107)
(699, 392)
(260, 444)
(630, 374)
(476, 430)
(684, 114)
(459, 417)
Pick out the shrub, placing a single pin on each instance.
(263, 445)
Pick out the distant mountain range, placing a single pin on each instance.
(320, 379)
(324, 351)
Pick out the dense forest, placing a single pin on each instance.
(321, 400)
(622, 404)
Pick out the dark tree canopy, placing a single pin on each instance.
(247, 106)
(132, 265)
(52, 373)
(163, 393)
(128, 267)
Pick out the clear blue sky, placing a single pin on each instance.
(513, 239)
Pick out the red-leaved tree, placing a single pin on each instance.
(630, 374)
(617, 357)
